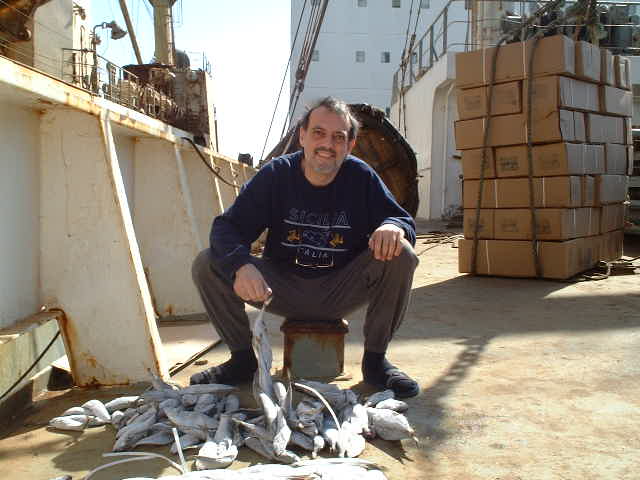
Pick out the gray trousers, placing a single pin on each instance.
(384, 286)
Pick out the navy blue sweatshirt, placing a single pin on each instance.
(311, 229)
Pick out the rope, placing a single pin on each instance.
(532, 207)
(204, 160)
(483, 163)
(284, 78)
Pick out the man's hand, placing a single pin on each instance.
(386, 242)
(250, 285)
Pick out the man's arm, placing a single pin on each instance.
(236, 229)
(389, 221)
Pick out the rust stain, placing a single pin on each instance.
(69, 338)
(169, 309)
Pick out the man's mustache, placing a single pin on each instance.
(323, 149)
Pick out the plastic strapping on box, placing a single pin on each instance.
(524, 59)
(486, 253)
(583, 157)
(589, 225)
(573, 221)
(495, 191)
(544, 193)
(484, 69)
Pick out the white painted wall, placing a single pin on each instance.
(125, 148)
(19, 212)
(376, 28)
(428, 133)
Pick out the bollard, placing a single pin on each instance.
(314, 349)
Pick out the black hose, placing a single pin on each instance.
(46, 349)
(204, 160)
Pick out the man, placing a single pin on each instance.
(337, 240)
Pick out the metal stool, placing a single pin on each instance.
(314, 349)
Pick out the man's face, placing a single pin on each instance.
(326, 144)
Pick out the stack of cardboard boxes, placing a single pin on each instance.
(581, 155)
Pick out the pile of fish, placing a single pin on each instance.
(209, 418)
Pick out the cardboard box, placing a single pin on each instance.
(593, 159)
(557, 127)
(513, 258)
(557, 192)
(607, 69)
(579, 127)
(622, 72)
(555, 92)
(593, 223)
(551, 223)
(616, 101)
(567, 159)
(588, 190)
(627, 131)
(470, 190)
(511, 130)
(605, 129)
(611, 217)
(486, 223)
(502, 258)
(631, 160)
(472, 162)
(562, 260)
(512, 161)
(611, 245)
(549, 192)
(553, 55)
(617, 159)
(611, 189)
(588, 61)
(506, 99)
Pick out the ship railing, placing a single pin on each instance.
(451, 32)
(90, 71)
(443, 35)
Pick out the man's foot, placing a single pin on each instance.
(379, 372)
(239, 369)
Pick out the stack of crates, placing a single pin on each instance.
(581, 155)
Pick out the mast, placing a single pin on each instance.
(132, 33)
(165, 51)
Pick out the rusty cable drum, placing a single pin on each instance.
(382, 147)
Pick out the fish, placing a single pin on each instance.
(301, 440)
(318, 444)
(97, 409)
(157, 438)
(358, 420)
(121, 403)
(127, 436)
(220, 451)
(216, 388)
(187, 441)
(189, 399)
(330, 433)
(393, 404)
(73, 411)
(390, 425)
(197, 420)
(70, 422)
(117, 418)
(231, 403)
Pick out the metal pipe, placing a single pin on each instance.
(445, 149)
(132, 33)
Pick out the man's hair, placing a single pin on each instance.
(336, 106)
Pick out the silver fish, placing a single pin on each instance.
(390, 425)
(216, 388)
(189, 399)
(98, 410)
(70, 422)
(301, 440)
(158, 438)
(231, 403)
(393, 404)
(121, 403)
(186, 419)
(129, 435)
(318, 444)
(220, 451)
(187, 441)
(73, 411)
(117, 418)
